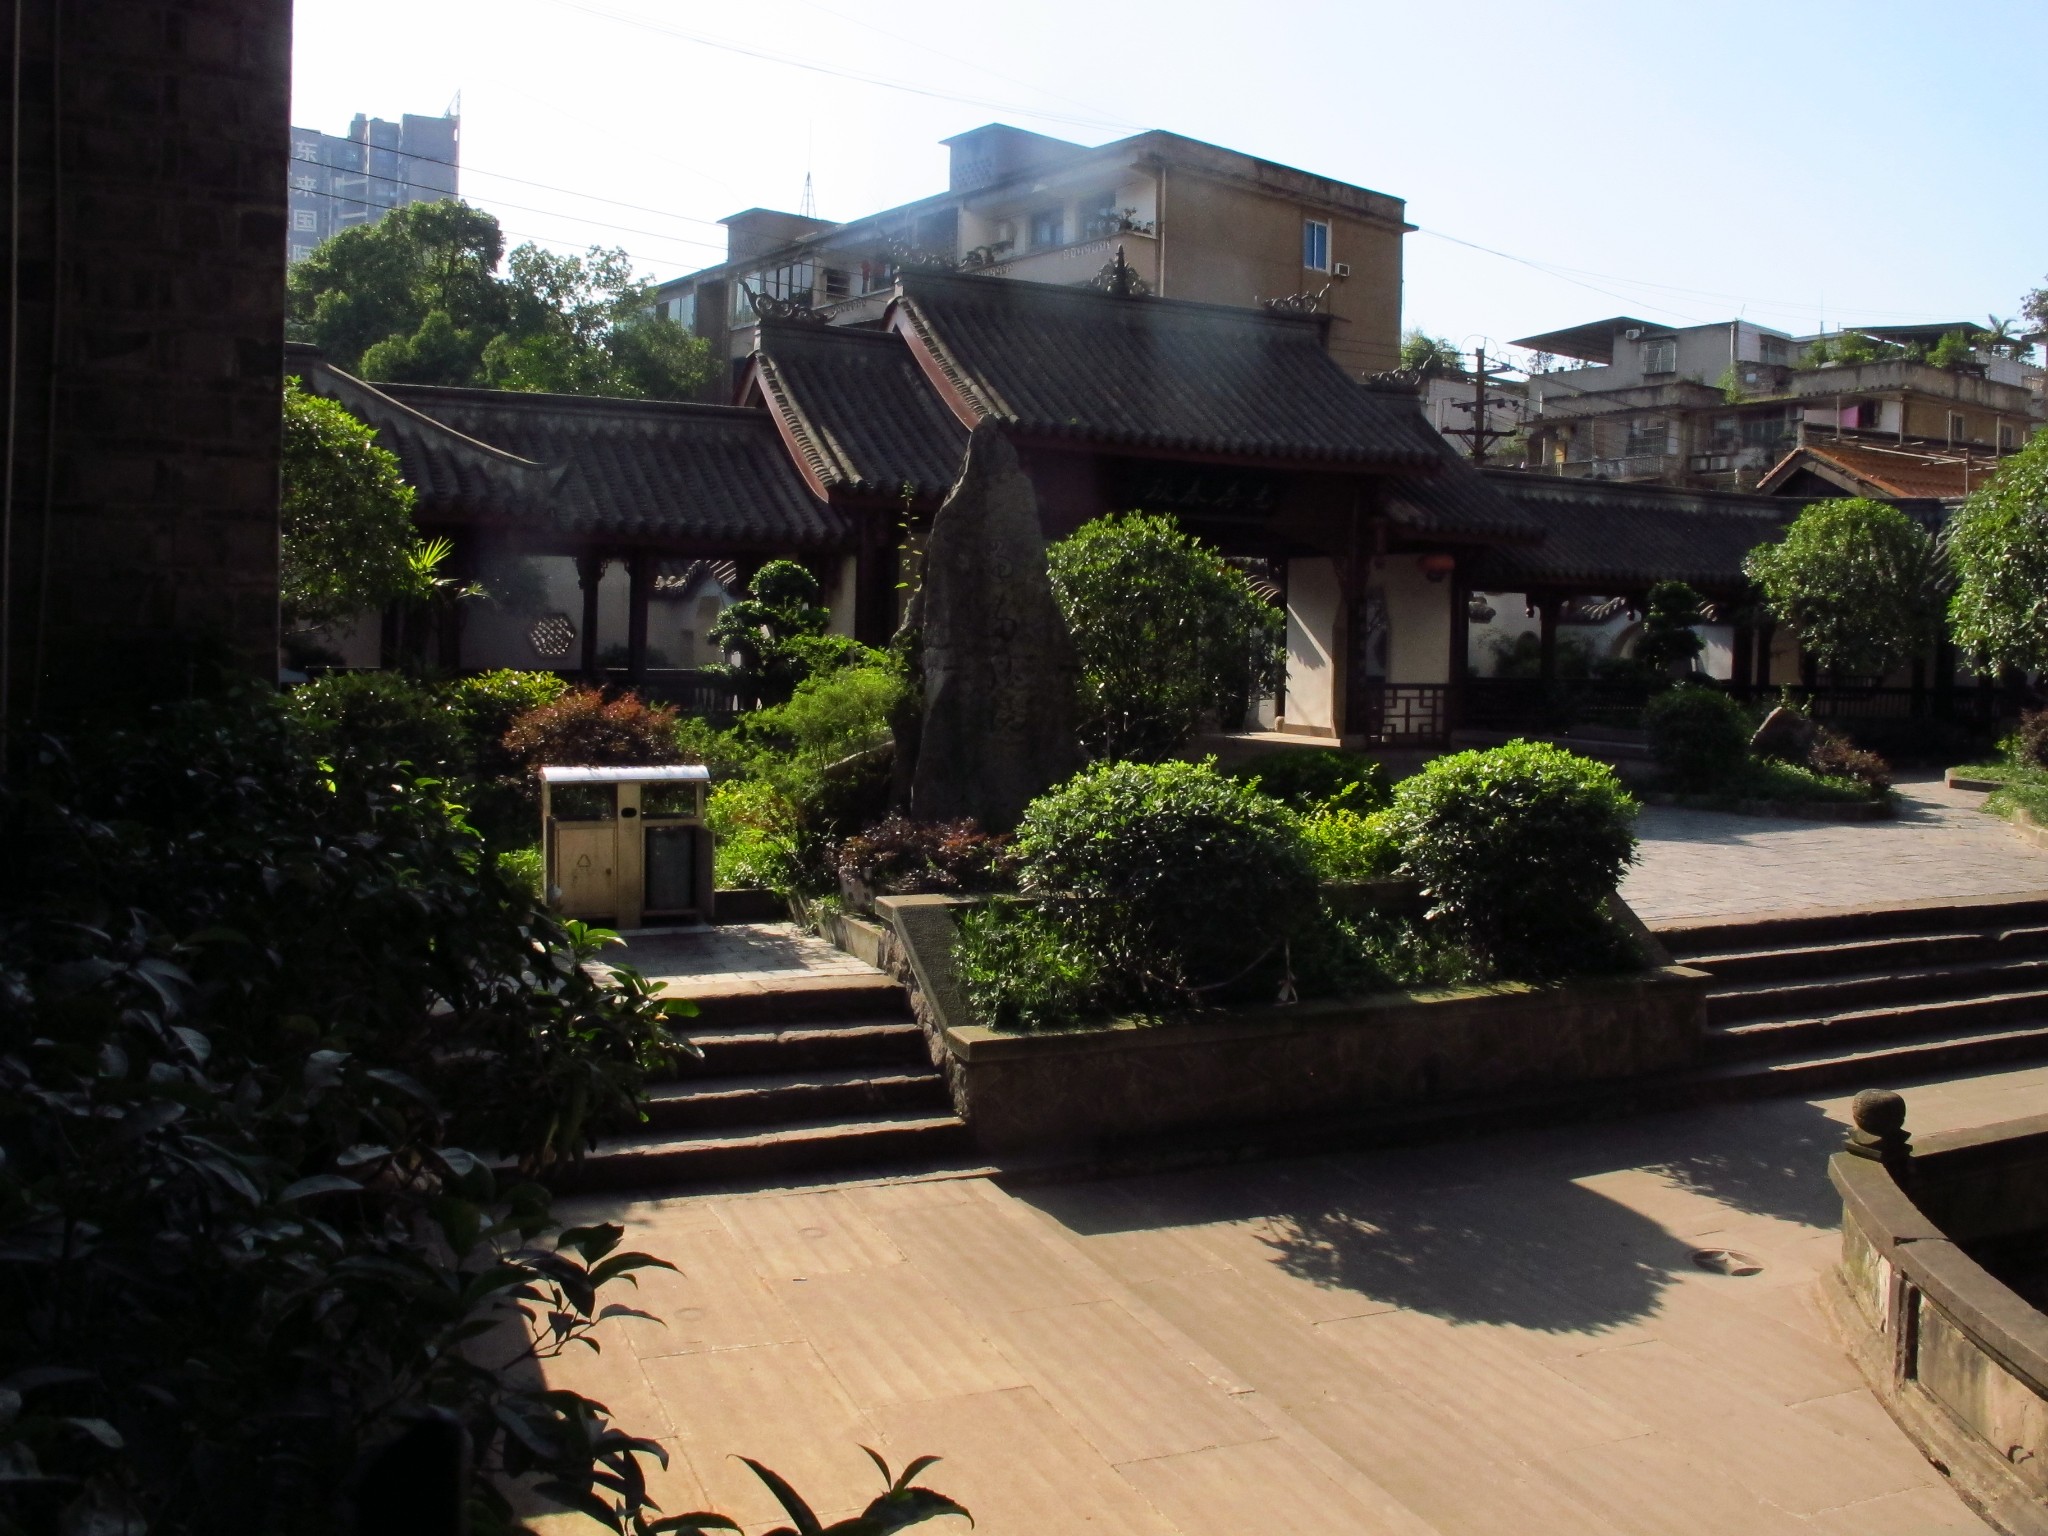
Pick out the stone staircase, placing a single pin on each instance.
(817, 1074)
(1805, 1002)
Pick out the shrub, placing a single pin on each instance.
(1167, 633)
(585, 728)
(1179, 881)
(504, 802)
(344, 516)
(367, 723)
(832, 714)
(1668, 643)
(1857, 579)
(1837, 757)
(1699, 737)
(756, 836)
(1997, 548)
(901, 857)
(1346, 846)
(1316, 777)
(1516, 849)
(765, 633)
(2029, 744)
(1021, 969)
(273, 1028)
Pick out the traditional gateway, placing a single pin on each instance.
(1361, 520)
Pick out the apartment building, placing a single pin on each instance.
(1713, 407)
(341, 181)
(1191, 221)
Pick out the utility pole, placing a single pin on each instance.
(1480, 436)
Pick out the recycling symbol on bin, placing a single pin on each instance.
(584, 862)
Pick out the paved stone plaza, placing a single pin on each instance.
(1940, 846)
(1506, 1334)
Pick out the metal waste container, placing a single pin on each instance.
(627, 846)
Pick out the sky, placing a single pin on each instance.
(1800, 163)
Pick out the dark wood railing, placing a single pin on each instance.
(1405, 715)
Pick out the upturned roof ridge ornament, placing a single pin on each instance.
(796, 307)
(1120, 279)
(1299, 303)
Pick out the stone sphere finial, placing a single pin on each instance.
(1879, 1111)
(1880, 1133)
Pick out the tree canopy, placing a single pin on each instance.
(417, 298)
(1430, 354)
(1997, 546)
(1166, 630)
(1858, 579)
(345, 516)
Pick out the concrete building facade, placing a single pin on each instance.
(341, 181)
(1192, 221)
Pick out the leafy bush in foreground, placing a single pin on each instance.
(1516, 849)
(276, 1037)
(1347, 846)
(1699, 737)
(1313, 777)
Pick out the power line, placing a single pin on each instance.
(551, 213)
(858, 76)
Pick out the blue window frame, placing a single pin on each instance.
(1315, 245)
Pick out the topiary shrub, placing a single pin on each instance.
(1699, 737)
(1181, 882)
(1516, 849)
(584, 728)
(1314, 777)
(1668, 644)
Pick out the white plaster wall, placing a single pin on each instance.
(1418, 621)
(1312, 604)
(840, 597)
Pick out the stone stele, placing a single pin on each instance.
(1000, 672)
(1785, 733)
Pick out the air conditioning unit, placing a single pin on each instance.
(1342, 269)
(1633, 333)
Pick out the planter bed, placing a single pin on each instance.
(1806, 810)
(1079, 1090)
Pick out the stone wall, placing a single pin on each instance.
(153, 153)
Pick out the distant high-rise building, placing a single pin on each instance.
(338, 183)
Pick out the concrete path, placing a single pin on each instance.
(1502, 1335)
(1707, 864)
(732, 955)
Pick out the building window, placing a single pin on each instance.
(1646, 439)
(837, 284)
(1048, 227)
(1661, 355)
(2008, 439)
(1315, 245)
(1101, 215)
(1958, 428)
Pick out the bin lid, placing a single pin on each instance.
(654, 773)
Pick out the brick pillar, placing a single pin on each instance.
(141, 501)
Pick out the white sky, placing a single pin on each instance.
(1797, 161)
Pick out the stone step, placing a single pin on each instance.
(1765, 1000)
(796, 999)
(1847, 1029)
(779, 1098)
(1888, 1062)
(655, 1163)
(734, 1050)
(1894, 953)
(1701, 937)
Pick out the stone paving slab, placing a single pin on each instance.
(1939, 847)
(732, 956)
(1501, 1334)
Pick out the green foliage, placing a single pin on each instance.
(525, 869)
(1837, 757)
(1516, 849)
(1424, 353)
(899, 1505)
(2028, 745)
(1349, 845)
(1167, 633)
(758, 836)
(1668, 643)
(416, 298)
(275, 1030)
(832, 714)
(901, 857)
(1699, 737)
(366, 723)
(1997, 548)
(344, 516)
(583, 727)
(1730, 385)
(1021, 969)
(1858, 579)
(500, 792)
(1952, 351)
(1179, 881)
(765, 634)
(1317, 777)
(1522, 655)
(1849, 348)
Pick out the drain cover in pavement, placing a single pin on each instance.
(1726, 1261)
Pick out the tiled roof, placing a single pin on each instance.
(1866, 469)
(1603, 537)
(1459, 501)
(859, 409)
(1150, 373)
(623, 469)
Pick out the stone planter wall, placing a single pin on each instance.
(1077, 1091)
(1957, 1357)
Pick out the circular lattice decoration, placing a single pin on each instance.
(552, 636)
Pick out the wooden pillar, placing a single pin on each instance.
(1944, 679)
(1743, 663)
(640, 566)
(1547, 606)
(1766, 634)
(589, 573)
(1461, 643)
(449, 613)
